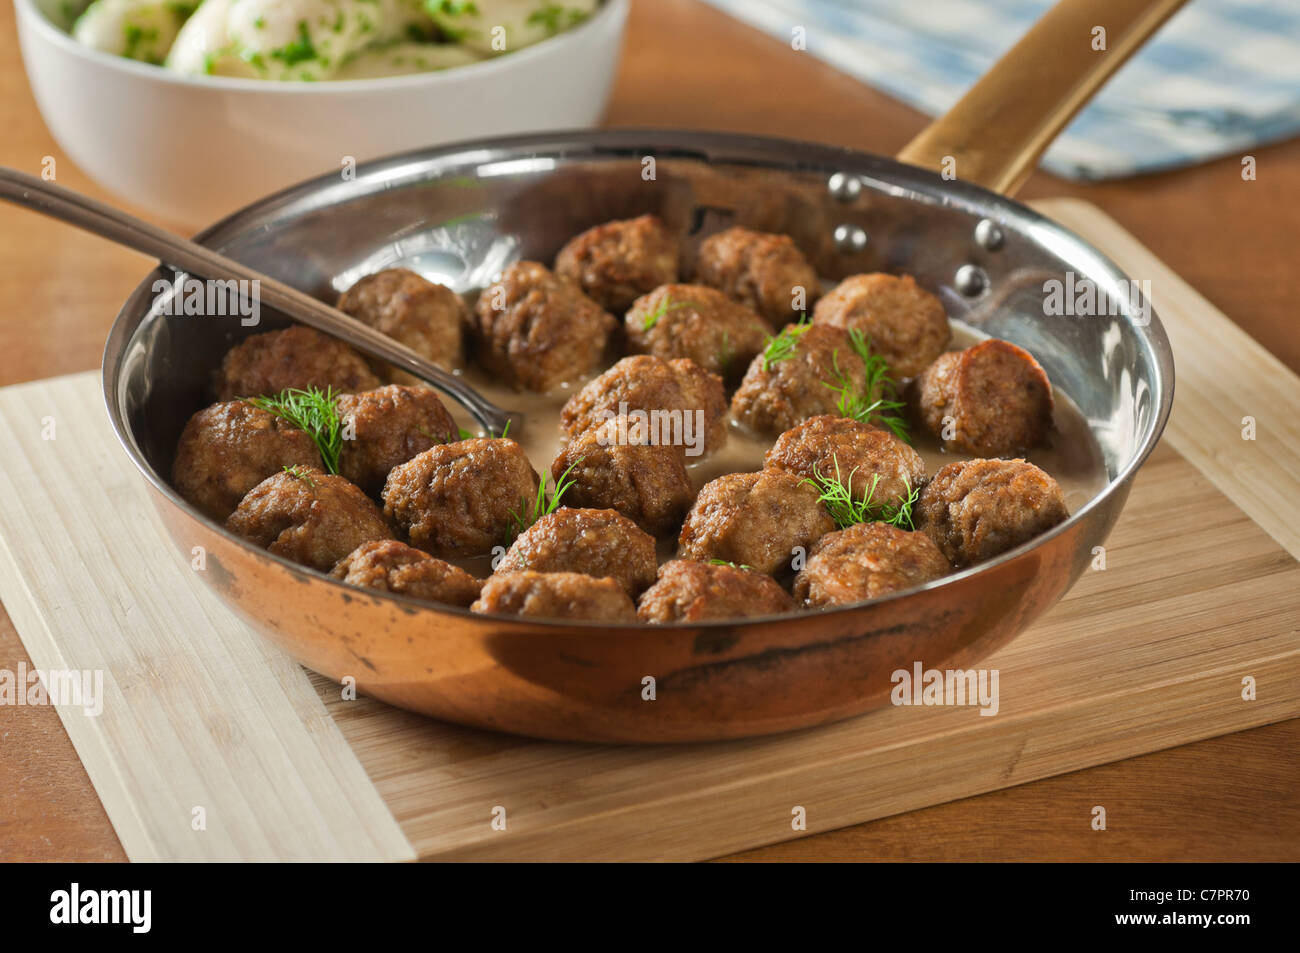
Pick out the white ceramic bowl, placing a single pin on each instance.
(192, 149)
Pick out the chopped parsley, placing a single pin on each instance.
(299, 50)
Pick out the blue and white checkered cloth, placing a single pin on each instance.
(1220, 77)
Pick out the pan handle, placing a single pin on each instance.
(995, 133)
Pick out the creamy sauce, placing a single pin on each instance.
(1071, 454)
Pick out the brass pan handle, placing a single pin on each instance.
(997, 131)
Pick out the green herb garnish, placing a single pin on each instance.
(315, 413)
(297, 474)
(836, 494)
(872, 399)
(451, 8)
(543, 504)
(550, 17)
(668, 304)
(727, 562)
(726, 353)
(784, 346)
(299, 50)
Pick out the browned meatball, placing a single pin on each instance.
(227, 449)
(309, 516)
(265, 364)
(537, 330)
(390, 566)
(867, 561)
(617, 262)
(996, 396)
(855, 453)
(648, 383)
(614, 466)
(760, 270)
(428, 318)
(388, 427)
(902, 322)
(755, 520)
(690, 591)
(803, 379)
(592, 542)
(976, 509)
(556, 595)
(463, 498)
(697, 322)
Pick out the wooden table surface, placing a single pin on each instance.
(688, 65)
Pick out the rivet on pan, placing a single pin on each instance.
(971, 280)
(988, 235)
(850, 238)
(844, 187)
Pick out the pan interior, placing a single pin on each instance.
(459, 216)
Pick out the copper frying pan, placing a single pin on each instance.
(475, 205)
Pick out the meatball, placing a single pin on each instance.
(647, 383)
(390, 566)
(463, 498)
(616, 466)
(995, 395)
(556, 595)
(227, 449)
(762, 271)
(537, 330)
(857, 454)
(802, 374)
(617, 262)
(428, 318)
(690, 591)
(754, 519)
(592, 542)
(389, 426)
(700, 323)
(975, 509)
(309, 516)
(867, 561)
(265, 364)
(902, 322)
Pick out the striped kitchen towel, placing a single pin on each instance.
(1220, 77)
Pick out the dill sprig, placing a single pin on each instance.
(297, 474)
(875, 397)
(728, 562)
(543, 503)
(665, 306)
(315, 413)
(785, 344)
(726, 353)
(836, 494)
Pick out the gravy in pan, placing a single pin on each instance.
(1071, 454)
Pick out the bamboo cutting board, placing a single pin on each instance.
(202, 719)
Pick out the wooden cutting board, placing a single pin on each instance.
(201, 719)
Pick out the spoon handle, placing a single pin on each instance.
(194, 259)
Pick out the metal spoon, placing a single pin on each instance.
(193, 259)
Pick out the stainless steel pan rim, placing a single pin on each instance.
(899, 179)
